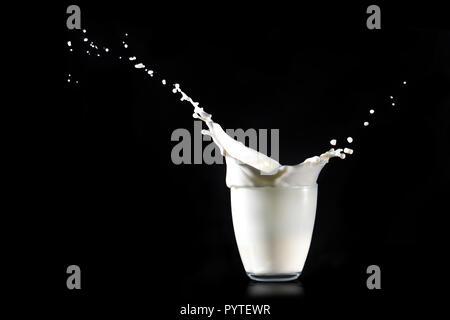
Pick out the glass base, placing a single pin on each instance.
(274, 277)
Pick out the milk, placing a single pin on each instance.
(273, 206)
(273, 229)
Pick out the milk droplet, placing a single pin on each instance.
(71, 49)
(150, 72)
(350, 139)
(132, 58)
(333, 142)
(125, 45)
(393, 104)
(348, 151)
(85, 39)
(139, 66)
(106, 49)
(163, 82)
(68, 80)
(69, 43)
(372, 111)
(84, 30)
(391, 97)
(366, 124)
(404, 82)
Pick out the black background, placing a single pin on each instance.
(151, 236)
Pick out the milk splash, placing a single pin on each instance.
(249, 168)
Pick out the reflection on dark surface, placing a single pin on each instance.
(275, 289)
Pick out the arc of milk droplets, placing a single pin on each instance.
(93, 46)
(198, 112)
(366, 123)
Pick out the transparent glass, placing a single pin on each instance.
(273, 227)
